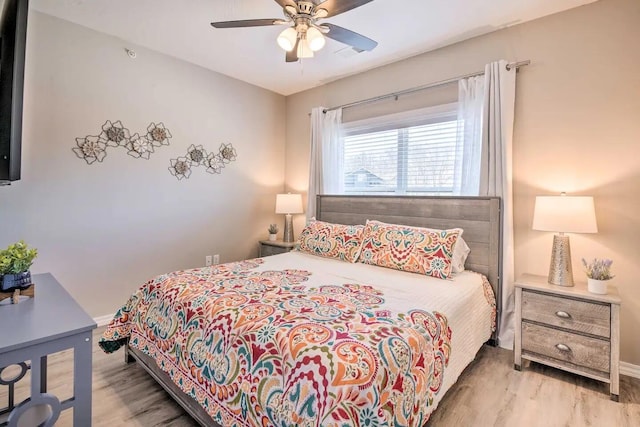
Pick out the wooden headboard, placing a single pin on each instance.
(479, 217)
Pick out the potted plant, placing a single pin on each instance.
(598, 274)
(273, 232)
(15, 262)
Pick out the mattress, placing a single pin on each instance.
(296, 339)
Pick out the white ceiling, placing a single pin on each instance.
(402, 28)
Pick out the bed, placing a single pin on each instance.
(297, 339)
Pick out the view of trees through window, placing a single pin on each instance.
(411, 160)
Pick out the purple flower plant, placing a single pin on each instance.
(599, 269)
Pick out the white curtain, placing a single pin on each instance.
(326, 166)
(496, 175)
(466, 178)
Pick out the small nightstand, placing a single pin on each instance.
(568, 328)
(275, 247)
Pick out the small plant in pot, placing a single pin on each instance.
(273, 232)
(598, 274)
(15, 262)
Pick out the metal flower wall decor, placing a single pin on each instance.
(197, 156)
(158, 134)
(93, 148)
(139, 147)
(114, 134)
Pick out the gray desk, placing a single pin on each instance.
(31, 330)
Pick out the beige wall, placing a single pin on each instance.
(577, 129)
(104, 229)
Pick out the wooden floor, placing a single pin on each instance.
(489, 393)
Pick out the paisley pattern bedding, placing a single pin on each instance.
(260, 347)
(412, 249)
(332, 240)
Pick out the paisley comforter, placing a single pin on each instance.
(259, 344)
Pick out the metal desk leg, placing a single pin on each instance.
(36, 378)
(43, 374)
(82, 381)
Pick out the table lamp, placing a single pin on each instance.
(563, 214)
(288, 204)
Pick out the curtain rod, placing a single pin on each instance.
(427, 86)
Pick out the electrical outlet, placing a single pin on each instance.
(216, 259)
(208, 261)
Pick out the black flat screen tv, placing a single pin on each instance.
(13, 40)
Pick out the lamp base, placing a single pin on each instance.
(560, 271)
(288, 229)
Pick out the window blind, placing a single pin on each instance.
(415, 159)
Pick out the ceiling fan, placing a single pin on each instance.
(304, 35)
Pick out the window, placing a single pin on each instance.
(406, 153)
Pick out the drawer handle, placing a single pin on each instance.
(563, 347)
(563, 314)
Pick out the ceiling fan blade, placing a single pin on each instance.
(284, 3)
(358, 41)
(246, 23)
(293, 55)
(336, 7)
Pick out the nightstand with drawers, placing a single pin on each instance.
(568, 328)
(275, 247)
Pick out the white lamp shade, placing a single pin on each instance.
(288, 204)
(566, 214)
(287, 39)
(316, 39)
(304, 50)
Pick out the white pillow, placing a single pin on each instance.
(460, 254)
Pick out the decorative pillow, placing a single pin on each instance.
(413, 249)
(460, 254)
(332, 240)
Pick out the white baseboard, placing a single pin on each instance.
(103, 320)
(630, 370)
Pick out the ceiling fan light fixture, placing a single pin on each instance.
(315, 39)
(304, 50)
(287, 39)
(305, 30)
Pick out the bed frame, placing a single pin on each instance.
(480, 217)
